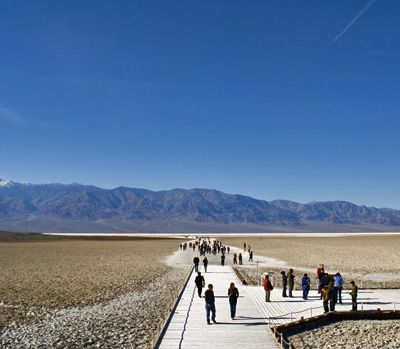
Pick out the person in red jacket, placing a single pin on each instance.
(268, 288)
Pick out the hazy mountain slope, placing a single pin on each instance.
(75, 207)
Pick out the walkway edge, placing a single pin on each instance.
(172, 312)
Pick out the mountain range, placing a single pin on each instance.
(86, 208)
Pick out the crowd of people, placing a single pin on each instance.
(329, 287)
(206, 246)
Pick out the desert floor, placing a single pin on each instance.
(373, 258)
(39, 279)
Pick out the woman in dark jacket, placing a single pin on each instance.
(233, 294)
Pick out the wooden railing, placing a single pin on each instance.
(163, 324)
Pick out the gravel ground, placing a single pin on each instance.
(126, 321)
(360, 334)
(76, 293)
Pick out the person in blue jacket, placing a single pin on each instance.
(305, 285)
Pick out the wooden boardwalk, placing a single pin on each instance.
(188, 327)
(282, 310)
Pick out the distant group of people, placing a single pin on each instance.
(251, 253)
(329, 287)
(207, 246)
(236, 258)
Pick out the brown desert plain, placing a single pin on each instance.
(115, 285)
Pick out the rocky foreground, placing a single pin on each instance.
(360, 334)
(126, 321)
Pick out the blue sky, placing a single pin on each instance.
(244, 97)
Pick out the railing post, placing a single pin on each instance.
(311, 312)
(394, 306)
(362, 306)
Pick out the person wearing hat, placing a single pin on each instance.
(353, 294)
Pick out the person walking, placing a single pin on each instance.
(320, 274)
(222, 259)
(332, 296)
(251, 256)
(235, 258)
(291, 282)
(268, 288)
(210, 304)
(325, 298)
(240, 259)
(324, 281)
(305, 286)
(200, 283)
(353, 294)
(338, 284)
(196, 261)
(284, 283)
(233, 294)
(205, 263)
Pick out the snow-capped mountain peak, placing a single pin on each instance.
(5, 182)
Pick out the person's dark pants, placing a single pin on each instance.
(326, 306)
(332, 304)
(353, 303)
(196, 268)
(284, 291)
(291, 287)
(222, 262)
(199, 289)
(205, 268)
(210, 308)
(306, 290)
(338, 294)
(320, 288)
(233, 309)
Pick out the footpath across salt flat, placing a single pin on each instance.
(189, 329)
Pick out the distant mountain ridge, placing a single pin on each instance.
(77, 207)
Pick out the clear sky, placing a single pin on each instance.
(295, 100)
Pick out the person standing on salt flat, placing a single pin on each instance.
(233, 294)
(353, 294)
(268, 288)
(196, 261)
(339, 287)
(200, 283)
(305, 286)
(291, 282)
(205, 263)
(284, 283)
(210, 304)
